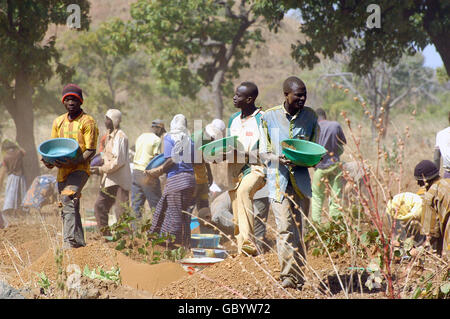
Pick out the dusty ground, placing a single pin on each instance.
(28, 248)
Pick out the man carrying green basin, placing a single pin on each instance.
(73, 174)
(290, 120)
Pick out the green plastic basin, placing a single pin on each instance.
(219, 147)
(303, 153)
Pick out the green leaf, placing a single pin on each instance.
(121, 245)
(417, 293)
(445, 288)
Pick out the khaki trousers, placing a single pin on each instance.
(242, 206)
(290, 245)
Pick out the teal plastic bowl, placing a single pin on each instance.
(205, 240)
(303, 153)
(157, 161)
(219, 146)
(60, 149)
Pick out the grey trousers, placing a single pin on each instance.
(290, 245)
(70, 193)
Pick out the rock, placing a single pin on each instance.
(8, 292)
(92, 293)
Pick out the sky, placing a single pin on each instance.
(432, 57)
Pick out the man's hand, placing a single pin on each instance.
(46, 164)
(283, 160)
(154, 172)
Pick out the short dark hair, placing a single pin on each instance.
(321, 113)
(291, 83)
(252, 88)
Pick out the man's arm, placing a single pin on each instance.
(120, 157)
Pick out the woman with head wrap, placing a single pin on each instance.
(16, 187)
(170, 216)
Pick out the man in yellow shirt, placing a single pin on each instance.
(73, 174)
(144, 187)
(435, 216)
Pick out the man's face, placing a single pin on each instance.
(296, 97)
(241, 97)
(72, 105)
(158, 130)
(109, 123)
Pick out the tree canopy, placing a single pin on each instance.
(28, 60)
(197, 43)
(406, 26)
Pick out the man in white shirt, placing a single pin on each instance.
(143, 188)
(115, 171)
(442, 149)
(246, 174)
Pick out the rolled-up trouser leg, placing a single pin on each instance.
(70, 193)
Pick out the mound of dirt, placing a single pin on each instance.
(94, 255)
(235, 277)
(147, 277)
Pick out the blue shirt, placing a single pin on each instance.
(176, 167)
(276, 126)
(332, 138)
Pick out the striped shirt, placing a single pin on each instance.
(436, 212)
(84, 130)
(276, 126)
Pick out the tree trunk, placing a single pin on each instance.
(22, 114)
(217, 93)
(438, 36)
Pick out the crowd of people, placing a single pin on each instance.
(258, 175)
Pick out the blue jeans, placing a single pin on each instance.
(142, 191)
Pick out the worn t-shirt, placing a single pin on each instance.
(443, 143)
(332, 138)
(12, 160)
(82, 129)
(147, 147)
(181, 166)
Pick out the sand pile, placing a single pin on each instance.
(238, 277)
(94, 255)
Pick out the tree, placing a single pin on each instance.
(406, 26)
(27, 60)
(195, 43)
(102, 58)
(384, 86)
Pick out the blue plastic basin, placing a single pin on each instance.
(205, 252)
(194, 223)
(58, 149)
(157, 161)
